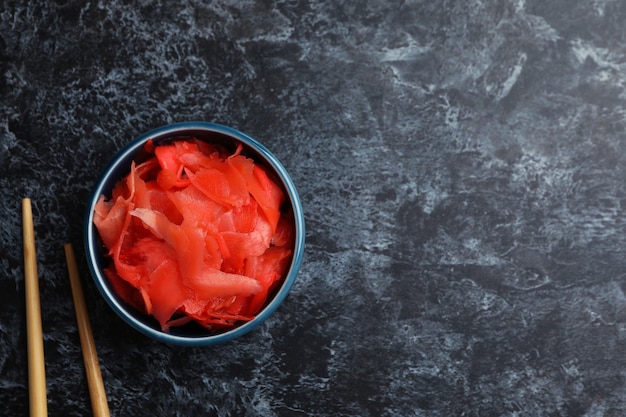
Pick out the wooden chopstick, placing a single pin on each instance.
(36, 365)
(97, 393)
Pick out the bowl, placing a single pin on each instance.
(119, 167)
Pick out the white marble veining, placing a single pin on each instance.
(461, 167)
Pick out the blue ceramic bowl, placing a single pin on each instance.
(119, 167)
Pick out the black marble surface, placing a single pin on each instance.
(461, 166)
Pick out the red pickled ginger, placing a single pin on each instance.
(195, 234)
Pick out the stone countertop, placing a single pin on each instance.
(461, 167)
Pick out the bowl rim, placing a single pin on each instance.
(124, 156)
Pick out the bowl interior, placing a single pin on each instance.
(119, 167)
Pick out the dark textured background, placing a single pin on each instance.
(461, 166)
